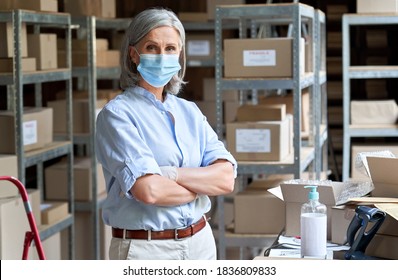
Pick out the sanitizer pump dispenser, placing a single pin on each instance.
(313, 223)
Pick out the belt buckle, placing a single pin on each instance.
(176, 238)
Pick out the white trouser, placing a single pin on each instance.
(200, 246)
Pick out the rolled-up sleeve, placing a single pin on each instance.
(121, 150)
(215, 149)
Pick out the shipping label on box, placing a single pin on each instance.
(261, 58)
(259, 140)
(253, 140)
(200, 47)
(37, 129)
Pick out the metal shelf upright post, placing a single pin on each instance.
(351, 72)
(91, 74)
(15, 82)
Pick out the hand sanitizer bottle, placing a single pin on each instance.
(313, 223)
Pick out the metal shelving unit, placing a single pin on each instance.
(351, 72)
(88, 27)
(307, 155)
(15, 82)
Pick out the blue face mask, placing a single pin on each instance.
(158, 69)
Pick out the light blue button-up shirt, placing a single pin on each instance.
(135, 135)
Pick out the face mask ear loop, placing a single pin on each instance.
(136, 64)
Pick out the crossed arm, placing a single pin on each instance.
(215, 179)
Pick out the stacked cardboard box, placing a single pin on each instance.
(81, 120)
(258, 211)
(287, 99)
(98, 8)
(261, 58)
(105, 57)
(34, 5)
(8, 167)
(267, 136)
(7, 49)
(83, 238)
(37, 129)
(14, 223)
(43, 47)
(55, 177)
(378, 112)
(381, 6)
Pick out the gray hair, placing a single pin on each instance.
(139, 27)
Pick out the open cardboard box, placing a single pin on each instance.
(330, 193)
(384, 175)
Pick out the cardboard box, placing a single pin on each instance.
(260, 141)
(374, 112)
(37, 129)
(383, 246)
(230, 110)
(98, 8)
(212, 4)
(81, 116)
(7, 4)
(101, 44)
(384, 176)
(56, 180)
(84, 238)
(107, 94)
(258, 211)
(7, 39)
(14, 223)
(330, 193)
(255, 113)
(8, 167)
(44, 48)
(28, 64)
(37, 5)
(261, 58)
(341, 217)
(208, 109)
(192, 17)
(200, 47)
(106, 58)
(381, 6)
(360, 174)
(53, 211)
(51, 247)
(287, 99)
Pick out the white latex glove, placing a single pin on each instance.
(169, 172)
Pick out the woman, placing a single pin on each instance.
(161, 159)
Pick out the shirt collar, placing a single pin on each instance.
(151, 97)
